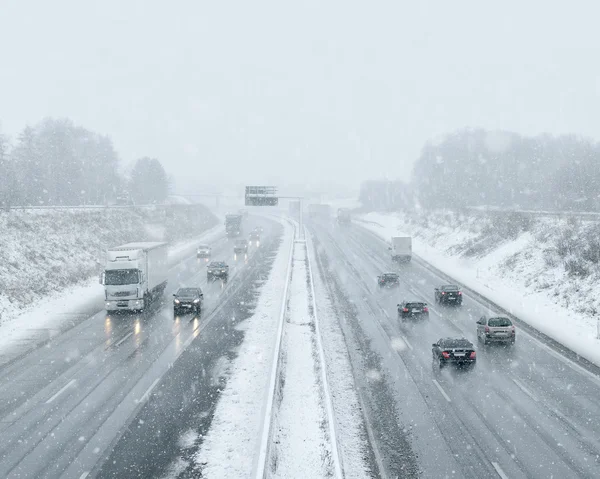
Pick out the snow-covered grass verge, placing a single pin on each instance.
(300, 446)
(231, 445)
(353, 445)
(44, 254)
(544, 271)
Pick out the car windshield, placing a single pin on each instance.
(217, 265)
(499, 322)
(187, 292)
(390, 276)
(118, 277)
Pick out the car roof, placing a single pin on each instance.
(415, 302)
(456, 343)
(218, 263)
(449, 287)
(187, 290)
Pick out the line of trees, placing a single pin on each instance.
(59, 163)
(475, 167)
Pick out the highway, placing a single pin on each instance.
(523, 412)
(65, 405)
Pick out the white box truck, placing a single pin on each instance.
(135, 274)
(401, 248)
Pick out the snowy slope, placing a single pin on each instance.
(545, 271)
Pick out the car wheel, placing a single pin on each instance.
(440, 364)
(485, 341)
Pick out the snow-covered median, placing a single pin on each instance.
(517, 271)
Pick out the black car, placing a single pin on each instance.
(188, 299)
(458, 351)
(413, 310)
(448, 294)
(217, 269)
(388, 280)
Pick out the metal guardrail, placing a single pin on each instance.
(592, 215)
(97, 207)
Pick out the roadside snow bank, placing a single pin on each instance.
(534, 270)
(231, 444)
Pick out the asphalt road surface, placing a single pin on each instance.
(65, 405)
(523, 412)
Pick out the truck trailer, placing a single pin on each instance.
(135, 274)
(233, 225)
(343, 216)
(401, 248)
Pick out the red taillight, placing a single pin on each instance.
(443, 293)
(460, 293)
(513, 330)
(425, 310)
(446, 354)
(472, 355)
(487, 329)
(405, 310)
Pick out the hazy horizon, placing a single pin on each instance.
(310, 93)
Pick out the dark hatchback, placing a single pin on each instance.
(188, 300)
(387, 280)
(217, 269)
(448, 294)
(413, 310)
(457, 351)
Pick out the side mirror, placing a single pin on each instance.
(398, 305)
(174, 294)
(434, 345)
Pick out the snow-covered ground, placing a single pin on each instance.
(300, 446)
(231, 445)
(544, 271)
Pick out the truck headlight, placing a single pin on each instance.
(176, 301)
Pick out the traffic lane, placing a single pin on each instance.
(513, 394)
(379, 369)
(183, 403)
(145, 343)
(62, 355)
(567, 391)
(421, 365)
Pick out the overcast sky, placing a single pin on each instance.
(297, 92)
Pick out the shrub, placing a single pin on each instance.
(576, 267)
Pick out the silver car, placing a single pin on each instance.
(498, 329)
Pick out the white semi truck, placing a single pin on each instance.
(135, 274)
(401, 248)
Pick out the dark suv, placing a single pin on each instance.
(448, 294)
(388, 280)
(188, 299)
(217, 269)
(458, 351)
(412, 310)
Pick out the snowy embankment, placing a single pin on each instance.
(49, 262)
(544, 271)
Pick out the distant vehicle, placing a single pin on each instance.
(233, 225)
(188, 299)
(254, 236)
(135, 274)
(217, 269)
(448, 294)
(259, 229)
(401, 248)
(244, 212)
(343, 216)
(413, 310)
(240, 246)
(496, 330)
(458, 351)
(387, 280)
(204, 251)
